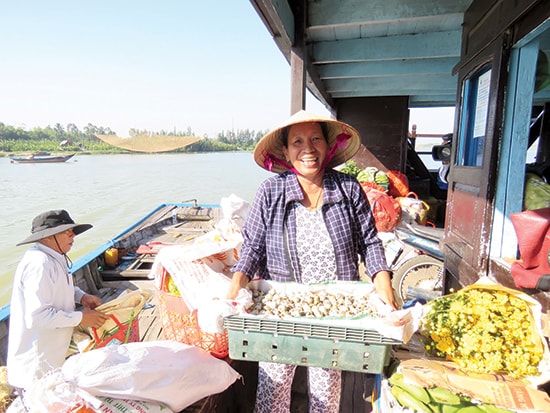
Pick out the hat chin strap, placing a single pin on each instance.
(67, 259)
(341, 143)
(270, 160)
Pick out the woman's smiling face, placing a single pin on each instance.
(306, 148)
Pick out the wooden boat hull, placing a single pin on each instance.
(42, 159)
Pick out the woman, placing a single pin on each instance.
(308, 223)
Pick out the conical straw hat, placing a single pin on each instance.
(270, 147)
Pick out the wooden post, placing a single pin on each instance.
(298, 56)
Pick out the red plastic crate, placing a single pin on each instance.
(180, 324)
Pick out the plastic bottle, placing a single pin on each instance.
(174, 217)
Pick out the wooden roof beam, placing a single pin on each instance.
(387, 68)
(353, 11)
(408, 84)
(426, 45)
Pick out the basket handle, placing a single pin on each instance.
(127, 336)
(94, 330)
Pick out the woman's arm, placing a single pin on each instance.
(384, 289)
(239, 280)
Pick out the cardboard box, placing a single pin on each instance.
(501, 390)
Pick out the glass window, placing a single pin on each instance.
(475, 109)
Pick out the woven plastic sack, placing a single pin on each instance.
(125, 308)
(110, 405)
(181, 323)
(386, 209)
(174, 374)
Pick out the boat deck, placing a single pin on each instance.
(238, 398)
(157, 231)
(109, 283)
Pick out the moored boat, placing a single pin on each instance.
(42, 159)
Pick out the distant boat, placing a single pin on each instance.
(41, 159)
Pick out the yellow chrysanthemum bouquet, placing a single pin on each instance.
(486, 328)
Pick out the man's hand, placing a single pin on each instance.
(90, 301)
(93, 318)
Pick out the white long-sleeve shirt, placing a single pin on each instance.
(42, 315)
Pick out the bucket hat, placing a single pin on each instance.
(343, 141)
(51, 223)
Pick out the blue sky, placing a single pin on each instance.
(172, 64)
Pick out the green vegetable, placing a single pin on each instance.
(418, 392)
(363, 177)
(370, 172)
(381, 178)
(406, 399)
(350, 168)
(537, 192)
(441, 395)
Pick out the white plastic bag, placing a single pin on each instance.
(51, 393)
(167, 372)
(210, 314)
(197, 280)
(235, 209)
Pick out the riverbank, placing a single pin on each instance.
(115, 151)
(112, 151)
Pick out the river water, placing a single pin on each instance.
(111, 192)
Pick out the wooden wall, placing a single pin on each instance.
(383, 124)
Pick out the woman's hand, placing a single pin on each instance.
(384, 289)
(239, 280)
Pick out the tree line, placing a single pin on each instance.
(71, 139)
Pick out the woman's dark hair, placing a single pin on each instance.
(286, 129)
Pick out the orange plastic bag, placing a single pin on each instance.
(386, 209)
(399, 183)
(372, 185)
